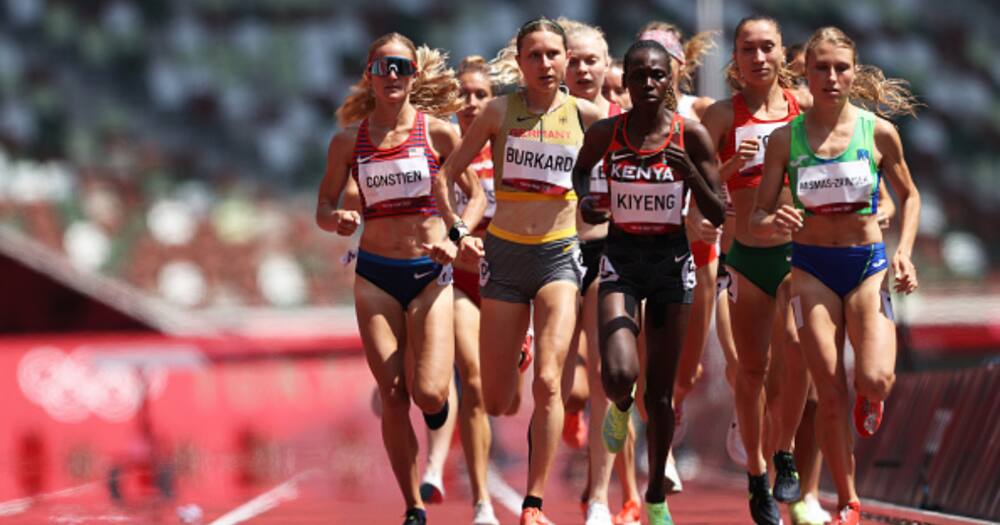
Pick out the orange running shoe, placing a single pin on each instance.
(526, 357)
(850, 514)
(574, 431)
(533, 516)
(631, 514)
(867, 416)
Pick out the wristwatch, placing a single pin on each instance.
(457, 231)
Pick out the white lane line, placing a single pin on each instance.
(502, 492)
(17, 506)
(286, 491)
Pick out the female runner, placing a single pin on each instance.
(532, 257)
(402, 297)
(740, 127)
(834, 155)
(651, 156)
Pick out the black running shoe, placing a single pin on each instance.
(415, 517)
(786, 480)
(763, 508)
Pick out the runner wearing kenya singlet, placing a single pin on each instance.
(652, 157)
(531, 253)
(585, 72)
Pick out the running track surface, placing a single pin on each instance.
(351, 483)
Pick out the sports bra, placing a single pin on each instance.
(847, 183)
(535, 154)
(647, 196)
(395, 181)
(746, 126)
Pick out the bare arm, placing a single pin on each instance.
(886, 206)
(705, 177)
(595, 143)
(445, 140)
(482, 130)
(767, 221)
(895, 170)
(338, 159)
(718, 120)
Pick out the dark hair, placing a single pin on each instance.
(792, 51)
(540, 24)
(785, 75)
(670, 98)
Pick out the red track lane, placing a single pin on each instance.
(314, 478)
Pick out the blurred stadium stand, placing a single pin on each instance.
(175, 147)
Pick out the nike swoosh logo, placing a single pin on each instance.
(681, 258)
(422, 275)
(522, 119)
(362, 160)
(619, 155)
(878, 263)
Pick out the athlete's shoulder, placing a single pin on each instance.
(343, 140)
(886, 133)
(590, 112)
(437, 125)
(701, 105)
(719, 111)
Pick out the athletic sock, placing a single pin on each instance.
(532, 501)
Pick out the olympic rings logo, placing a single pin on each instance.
(71, 389)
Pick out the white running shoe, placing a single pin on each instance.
(482, 514)
(734, 444)
(674, 485)
(815, 510)
(598, 514)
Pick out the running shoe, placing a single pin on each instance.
(803, 513)
(526, 357)
(763, 508)
(598, 514)
(786, 478)
(574, 431)
(734, 444)
(850, 514)
(534, 516)
(482, 514)
(816, 513)
(674, 485)
(432, 488)
(658, 514)
(630, 514)
(614, 429)
(867, 416)
(415, 517)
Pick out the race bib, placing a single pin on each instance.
(761, 132)
(539, 167)
(462, 200)
(633, 202)
(598, 180)
(391, 180)
(836, 187)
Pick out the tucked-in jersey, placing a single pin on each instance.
(395, 181)
(746, 126)
(647, 195)
(598, 181)
(482, 165)
(847, 183)
(535, 155)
